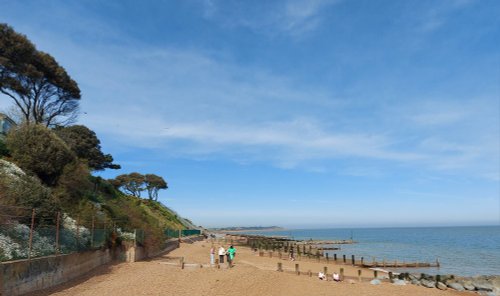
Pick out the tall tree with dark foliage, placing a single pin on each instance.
(41, 89)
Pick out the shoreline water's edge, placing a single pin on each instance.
(480, 284)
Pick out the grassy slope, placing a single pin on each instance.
(133, 212)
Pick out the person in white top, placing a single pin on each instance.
(336, 277)
(222, 252)
(321, 276)
(212, 255)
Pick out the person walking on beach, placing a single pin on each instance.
(231, 253)
(212, 255)
(222, 252)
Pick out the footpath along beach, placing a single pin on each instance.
(251, 275)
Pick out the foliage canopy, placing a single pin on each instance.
(38, 150)
(85, 144)
(153, 184)
(41, 89)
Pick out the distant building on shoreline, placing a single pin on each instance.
(5, 124)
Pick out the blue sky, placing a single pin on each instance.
(293, 113)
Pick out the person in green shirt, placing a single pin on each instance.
(232, 252)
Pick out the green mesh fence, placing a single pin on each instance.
(189, 232)
(46, 240)
(140, 236)
(171, 233)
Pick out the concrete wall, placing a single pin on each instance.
(23, 276)
(137, 253)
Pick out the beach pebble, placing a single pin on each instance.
(399, 283)
(486, 293)
(456, 286)
(469, 287)
(375, 282)
(427, 283)
(483, 285)
(441, 286)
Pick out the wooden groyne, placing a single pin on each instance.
(325, 242)
(286, 248)
(396, 264)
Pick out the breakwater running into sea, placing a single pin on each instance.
(464, 251)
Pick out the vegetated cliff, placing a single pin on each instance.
(100, 207)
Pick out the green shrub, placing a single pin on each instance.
(4, 151)
(36, 149)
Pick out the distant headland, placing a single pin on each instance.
(248, 228)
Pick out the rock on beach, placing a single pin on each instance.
(456, 286)
(428, 283)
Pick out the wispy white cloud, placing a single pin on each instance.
(191, 102)
(302, 16)
(438, 15)
(290, 17)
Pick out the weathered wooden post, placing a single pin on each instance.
(375, 274)
(327, 259)
(280, 267)
(359, 275)
(92, 233)
(390, 276)
(318, 255)
(181, 261)
(343, 258)
(57, 231)
(30, 242)
(341, 273)
(353, 261)
(362, 259)
(217, 263)
(77, 233)
(325, 270)
(297, 271)
(335, 257)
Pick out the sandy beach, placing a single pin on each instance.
(251, 275)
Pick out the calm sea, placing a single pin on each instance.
(466, 251)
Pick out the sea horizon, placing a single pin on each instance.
(283, 228)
